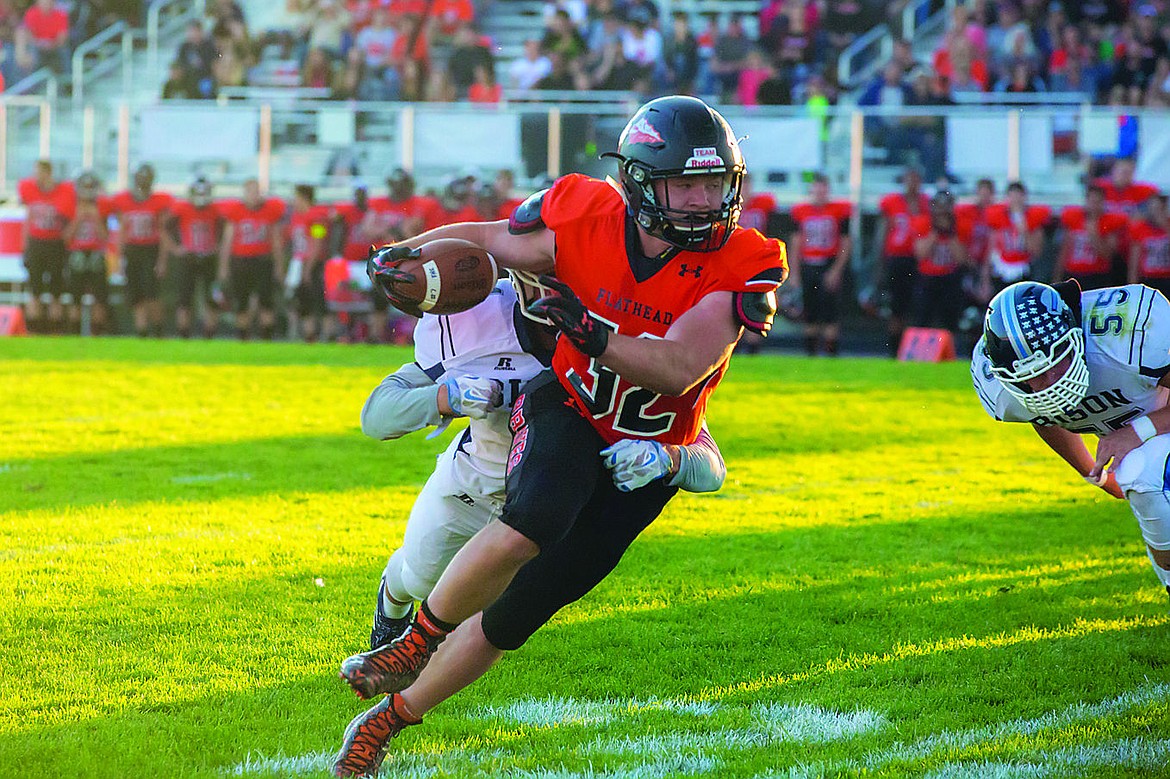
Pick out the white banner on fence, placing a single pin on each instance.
(978, 145)
(779, 144)
(198, 133)
(1153, 162)
(466, 139)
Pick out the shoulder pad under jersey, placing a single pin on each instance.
(525, 217)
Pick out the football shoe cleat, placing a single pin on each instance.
(364, 745)
(392, 667)
(386, 629)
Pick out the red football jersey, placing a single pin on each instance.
(942, 261)
(756, 210)
(253, 229)
(589, 219)
(980, 242)
(1126, 199)
(1082, 258)
(361, 230)
(89, 231)
(393, 214)
(1010, 231)
(306, 227)
(1154, 249)
(198, 227)
(899, 237)
(47, 211)
(820, 230)
(140, 221)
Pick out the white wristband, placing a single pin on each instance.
(1144, 428)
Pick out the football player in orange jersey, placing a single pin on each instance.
(655, 282)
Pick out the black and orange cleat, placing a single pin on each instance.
(368, 735)
(392, 667)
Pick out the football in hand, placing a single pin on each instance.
(450, 275)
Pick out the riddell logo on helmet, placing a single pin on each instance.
(643, 132)
(704, 157)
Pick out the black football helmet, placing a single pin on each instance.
(201, 192)
(678, 136)
(1029, 329)
(88, 186)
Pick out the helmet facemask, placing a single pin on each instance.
(1029, 332)
(696, 231)
(528, 291)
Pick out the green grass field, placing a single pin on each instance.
(889, 584)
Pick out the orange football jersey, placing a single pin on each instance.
(589, 219)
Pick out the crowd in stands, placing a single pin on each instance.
(43, 33)
(394, 50)
(1114, 53)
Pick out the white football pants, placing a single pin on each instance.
(1144, 476)
(445, 515)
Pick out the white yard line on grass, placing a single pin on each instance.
(1131, 753)
(553, 712)
(208, 478)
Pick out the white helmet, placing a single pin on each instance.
(1028, 331)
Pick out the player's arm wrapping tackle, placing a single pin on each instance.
(409, 400)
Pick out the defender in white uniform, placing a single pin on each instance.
(1093, 362)
(474, 364)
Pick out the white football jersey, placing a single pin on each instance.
(1127, 348)
(481, 341)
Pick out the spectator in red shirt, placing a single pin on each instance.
(249, 256)
(43, 37)
(485, 89)
(141, 212)
(49, 205)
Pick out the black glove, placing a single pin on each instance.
(569, 314)
(382, 268)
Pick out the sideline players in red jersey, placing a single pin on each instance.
(505, 185)
(86, 237)
(361, 226)
(1092, 238)
(141, 211)
(898, 267)
(308, 230)
(1017, 237)
(400, 214)
(1122, 193)
(1149, 254)
(940, 246)
(249, 256)
(199, 226)
(820, 251)
(979, 246)
(647, 329)
(49, 203)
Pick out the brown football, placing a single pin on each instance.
(451, 275)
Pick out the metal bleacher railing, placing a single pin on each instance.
(866, 55)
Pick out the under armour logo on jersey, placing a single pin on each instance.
(505, 364)
(683, 270)
(466, 499)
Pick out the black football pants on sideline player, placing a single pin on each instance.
(561, 496)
